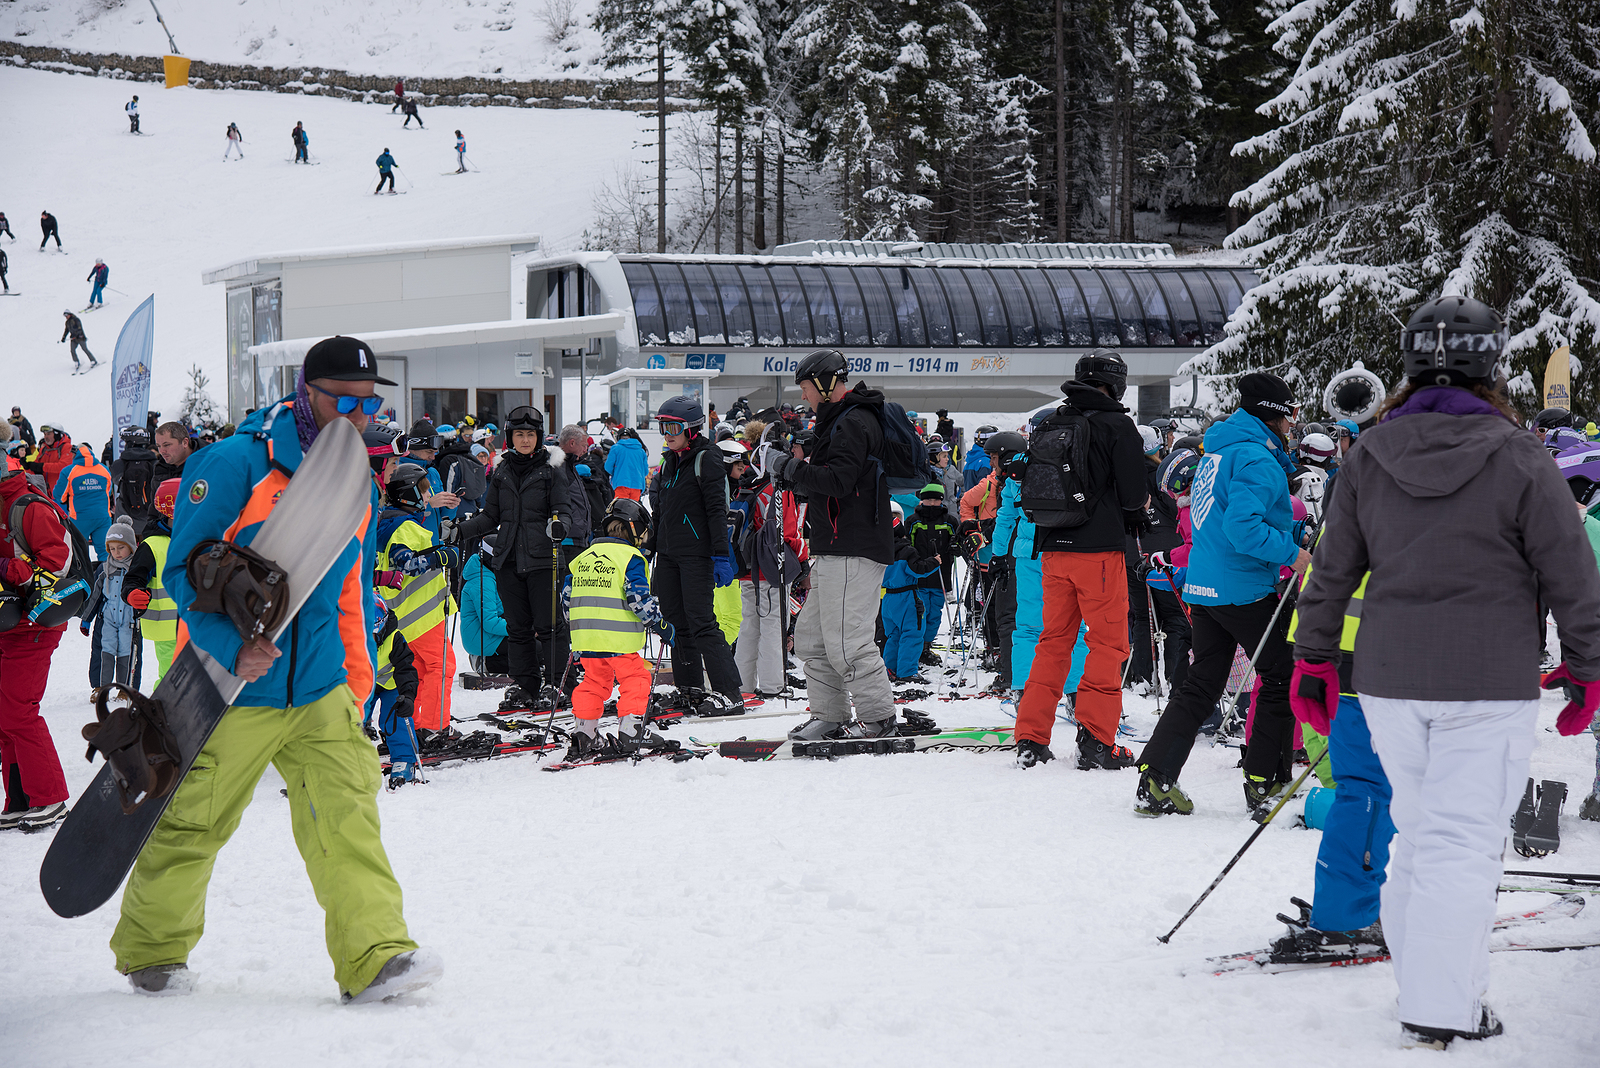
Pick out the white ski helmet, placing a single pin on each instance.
(1318, 447)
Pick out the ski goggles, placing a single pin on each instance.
(523, 417)
(671, 427)
(346, 403)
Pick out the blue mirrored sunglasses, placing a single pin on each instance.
(346, 403)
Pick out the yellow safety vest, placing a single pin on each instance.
(1352, 615)
(384, 680)
(423, 601)
(598, 608)
(160, 620)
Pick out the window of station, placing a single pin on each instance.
(986, 295)
(1047, 312)
(1075, 310)
(1131, 312)
(1158, 321)
(907, 308)
(882, 317)
(852, 306)
(703, 300)
(493, 404)
(649, 393)
(819, 298)
(1024, 324)
(675, 305)
(736, 306)
(439, 406)
(1208, 305)
(963, 309)
(646, 303)
(766, 321)
(1185, 321)
(1102, 313)
(792, 304)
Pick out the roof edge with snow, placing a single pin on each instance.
(252, 266)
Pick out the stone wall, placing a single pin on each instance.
(430, 92)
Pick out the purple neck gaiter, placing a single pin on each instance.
(305, 424)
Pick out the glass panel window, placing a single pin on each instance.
(996, 329)
(646, 304)
(792, 303)
(675, 304)
(1130, 311)
(735, 308)
(907, 306)
(619, 404)
(1228, 289)
(1208, 305)
(1078, 324)
(1024, 327)
(1247, 279)
(1157, 320)
(494, 404)
(930, 294)
(441, 406)
(767, 323)
(1102, 314)
(881, 313)
(819, 298)
(963, 309)
(703, 300)
(1185, 322)
(852, 307)
(1047, 313)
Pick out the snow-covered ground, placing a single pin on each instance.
(517, 39)
(931, 909)
(161, 208)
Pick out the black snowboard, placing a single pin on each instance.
(313, 521)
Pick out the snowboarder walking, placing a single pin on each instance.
(234, 142)
(1450, 691)
(386, 166)
(132, 109)
(99, 274)
(297, 712)
(302, 141)
(461, 152)
(74, 330)
(47, 223)
(409, 109)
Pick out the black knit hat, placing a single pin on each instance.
(1267, 397)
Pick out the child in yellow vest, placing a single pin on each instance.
(143, 589)
(414, 578)
(609, 606)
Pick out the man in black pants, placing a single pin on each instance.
(47, 223)
(1244, 532)
(74, 330)
(5, 227)
(692, 555)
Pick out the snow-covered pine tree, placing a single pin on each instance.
(199, 408)
(1423, 147)
(1240, 71)
(726, 63)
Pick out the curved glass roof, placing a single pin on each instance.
(932, 305)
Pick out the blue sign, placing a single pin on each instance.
(696, 362)
(716, 361)
(656, 361)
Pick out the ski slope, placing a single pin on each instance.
(912, 910)
(161, 208)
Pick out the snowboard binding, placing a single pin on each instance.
(138, 744)
(245, 586)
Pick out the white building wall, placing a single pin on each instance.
(392, 293)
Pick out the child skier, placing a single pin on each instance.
(143, 588)
(461, 152)
(394, 695)
(99, 274)
(483, 621)
(235, 141)
(414, 579)
(609, 605)
(933, 533)
(902, 605)
(115, 652)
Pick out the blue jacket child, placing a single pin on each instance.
(114, 652)
(483, 621)
(901, 609)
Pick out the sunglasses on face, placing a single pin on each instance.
(346, 403)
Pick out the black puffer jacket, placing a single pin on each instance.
(1118, 469)
(691, 516)
(522, 496)
(848, 497)
(1163, 515)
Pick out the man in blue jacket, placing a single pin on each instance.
(628, 465)
(1244, 533)
(300, 710)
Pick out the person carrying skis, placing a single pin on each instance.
(297, 711)
(132, 108)
(1244, 532)
(386, 165)
(609, 605)
(99, 274)
(414, 580)
(47, 223)
(1449, 690)
(73, 328)
(302, 141)
(461, 152)
(143, 588)
(114, 649)
(409, 109)
(394, 695)
(83, 489)
(235, 142)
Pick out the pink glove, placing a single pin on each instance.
(389, 579)
(1582, 700)
(1314, 694)
(16, 572)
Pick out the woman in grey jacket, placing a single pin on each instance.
(1462, 522)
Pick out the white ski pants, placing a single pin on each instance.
(759, 652)
(836, 636)
(1457, 769)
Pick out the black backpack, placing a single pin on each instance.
(68, 595)
(133, 489)
(1058, 488)
(905, 454)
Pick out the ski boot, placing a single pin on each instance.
(1260, 794)
(1415, 1036)
(162, 980)
(401, 774)
(634, 737)
(1030, 752)
(515, 699)
(1590, 809)
(930, 658)
(1159, 797)
(719, 704)
(915, 722)
(794, 680)
(1304, 944)
(816, 729)
(877, 728)
(1095, 755)
(584, 745)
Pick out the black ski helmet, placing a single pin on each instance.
(1005, 443)
(380, 447)
(134, 437)
(632, 513)
(825, 368)
(407, 485)
(685, 410)
(1451, 341)
(524, 417)
(1102, 367)
(1551, 418)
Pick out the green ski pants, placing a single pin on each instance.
(333, 775)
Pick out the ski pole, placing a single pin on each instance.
(409, 183)
(1230, 715)
(1284, 800)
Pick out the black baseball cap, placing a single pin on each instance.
(343, 359)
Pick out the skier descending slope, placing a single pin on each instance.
(386, 166)
(300, 711)
(1449, 689)
(132, 108)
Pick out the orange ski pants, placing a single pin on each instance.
(1088, 587)
(628, 671)
(436, 672)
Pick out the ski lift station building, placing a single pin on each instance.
(479, 325)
